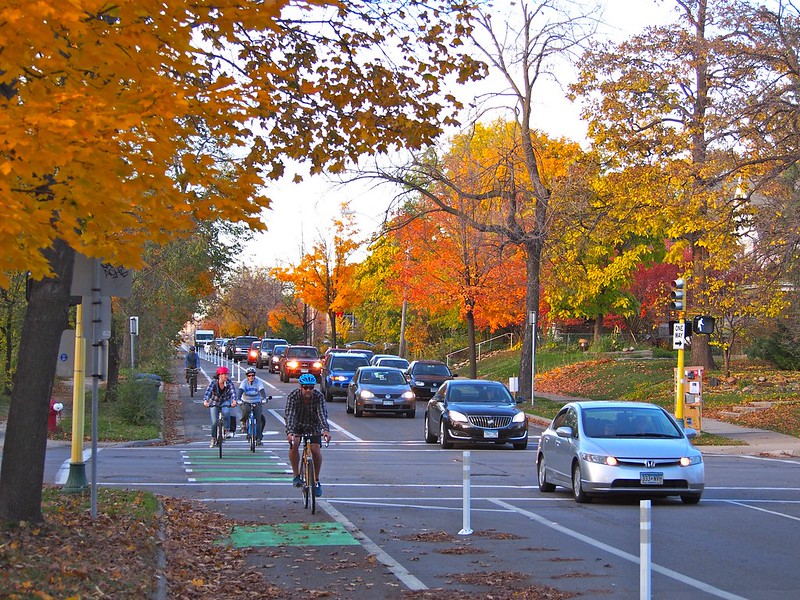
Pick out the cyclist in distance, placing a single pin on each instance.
(192, 361)
(250, 393)
(306, 414)
(220, 395)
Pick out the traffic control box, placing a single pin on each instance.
(693, 397)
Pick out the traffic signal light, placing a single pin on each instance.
(678, 295)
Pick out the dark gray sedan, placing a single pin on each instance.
(473, 411)
(380, 390)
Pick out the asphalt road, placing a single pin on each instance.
(398, 514)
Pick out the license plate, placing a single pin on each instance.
(388, 402)
(490, 433)
(651, 478)
(304, 370)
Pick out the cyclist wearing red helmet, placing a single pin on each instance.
(220, 395)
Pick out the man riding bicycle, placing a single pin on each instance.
(306, 414)
(220, 395)
(192, 361)
(251, 393)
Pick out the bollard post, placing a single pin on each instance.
(645, 549)
(465, 528)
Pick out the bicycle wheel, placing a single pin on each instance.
(220, 433)
(251, 430)
(312, 483)
(304, 483)
(192, 385)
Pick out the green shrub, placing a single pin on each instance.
(137, 402)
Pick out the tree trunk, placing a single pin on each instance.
(332, 319)
(598, 328)
(473, 360)
(532, 263)
(114, 358)
(22, 471)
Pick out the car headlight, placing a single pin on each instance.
(600, 459)
(339, 378)
(457, 417)
(366, 395)
(688, 461)
(519, 417)
(317, 365)
(409, 395)
(292, 364)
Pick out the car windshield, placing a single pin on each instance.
(383, 378)
(432, 369)
(615, 422)
(480, 393)
(348, 363)
(303, 353)
(399, 363)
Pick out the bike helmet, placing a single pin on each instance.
(191, 348)
(307, 379)
(223, 371)
(250, 371)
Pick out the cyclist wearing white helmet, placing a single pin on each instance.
(251, 393)
(306, 414)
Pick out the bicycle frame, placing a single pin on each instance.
(253, 425)
(191, 379)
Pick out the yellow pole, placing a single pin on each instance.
(76, 481)
(680, 378)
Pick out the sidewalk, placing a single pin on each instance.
(758, 441)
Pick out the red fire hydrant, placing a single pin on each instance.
(55, 411)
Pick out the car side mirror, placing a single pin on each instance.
(521, 399)
(453, 374)
(564, 431)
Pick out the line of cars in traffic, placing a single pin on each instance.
(590, 448)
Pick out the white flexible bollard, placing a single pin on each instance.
(645, 550)
(466, 528)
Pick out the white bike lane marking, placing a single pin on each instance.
(700, 585)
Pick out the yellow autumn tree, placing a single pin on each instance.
(126, 123)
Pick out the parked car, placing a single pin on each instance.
(392, 361)
(253, 352)
(474, 411)
(265, 348)
(426, 376)
(219, 345)
(238, 347)
(380, 390)
(297, 360)
(337, 371)
(367, 353)
(275, 359)
(620, 448)
(375, 357)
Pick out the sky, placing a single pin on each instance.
(301, 213)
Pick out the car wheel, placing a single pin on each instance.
(521, 445)
(329, 398)
(410, 413)
(577, 488)
(430, 438)
(357, 411)
(284, 379)
(444, 441)
(347, 408)
(690, 498)
(544, 485)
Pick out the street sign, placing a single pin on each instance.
(114, 281)
(679, 336)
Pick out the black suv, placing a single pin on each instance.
(265, 351)
(298, 360)
(426, 376)
(236, 348)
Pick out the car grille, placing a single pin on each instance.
(675, 484)
(489, 422)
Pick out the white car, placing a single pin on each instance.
(620, 448)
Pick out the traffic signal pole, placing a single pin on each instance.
(680, 378)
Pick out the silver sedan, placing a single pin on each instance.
(621, 448)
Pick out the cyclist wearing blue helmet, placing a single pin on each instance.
(306, 414)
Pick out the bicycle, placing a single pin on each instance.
(252, 426)
(219, 434)
(191, 379)
(308, 476)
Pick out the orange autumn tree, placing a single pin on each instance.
(325, 277)
(128, 123)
